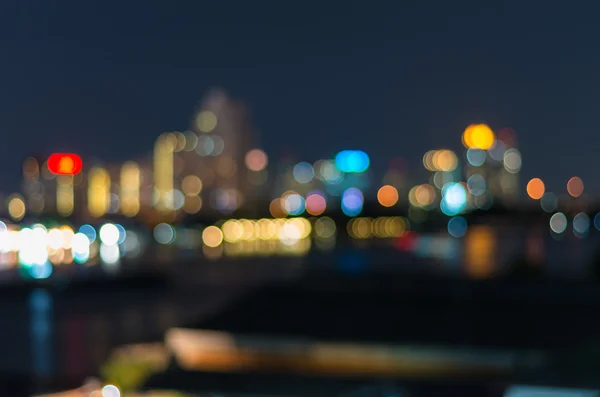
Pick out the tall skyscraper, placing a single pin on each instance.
(163, 171)
(224, 136)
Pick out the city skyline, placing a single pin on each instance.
(415, 74)
(216, 165)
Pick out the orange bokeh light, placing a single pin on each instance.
(536, 188)
(387, 196)
(575, 186)
(276, 208)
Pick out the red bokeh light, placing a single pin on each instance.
(64, 164)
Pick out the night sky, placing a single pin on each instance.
(104, 78)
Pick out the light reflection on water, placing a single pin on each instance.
(40, 331)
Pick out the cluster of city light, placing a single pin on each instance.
(287, 231)
(536, 190)
(39, 249)
(381, 227)
(490, 168)
(205, 167)
(440, 160)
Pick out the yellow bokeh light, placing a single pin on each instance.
(16, 208)
(387, 196)
(206, 121)
(445, 160)
(478, 136)
(428, 160)
(130, 189)
(575, 186)
(98, 192)
(325, 227)
(536, 188)
(424, 195)
(212, 236)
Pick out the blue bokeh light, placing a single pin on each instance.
(352, 201)
(294, 204)
(581, 224)
(457, 226)
(454, 199)
(303, 172)
(89, 232)
(352, 161)
(476, 157)
(597, 221)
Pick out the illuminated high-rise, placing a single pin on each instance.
(98, 197)
(163, 171)
(129, 191)
(493, 174)
(33, 186)
(222, 135)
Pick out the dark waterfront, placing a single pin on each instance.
(503, 294)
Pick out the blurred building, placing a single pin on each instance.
(34, 187)
(224, 137)
(493, 175)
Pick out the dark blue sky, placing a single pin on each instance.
(103, 78)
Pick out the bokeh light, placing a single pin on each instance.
(558, 223)
(454, 199)
(164, 233)
(352, 201)
(212, 236)
(352, 161)
(440, 178)
(478, 136)
(597, 221)
(325, 227)
(89, 231)
(575, 186)
(109, 234)
(206, 121)
(512, 161)
(111, 391)
(457, 226)
(330, 173)
(16, 208)
(191, 185)
(315, 203)
(476, 157)
(293, 203)
(497, 150)
(581, 224)
(387, 196)
(256, 160)
(536, 188)
(476, 184)
(303, 172)
(277, 209)
(425, 195)
(549, 202)
(444, 160)
(428, 160)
